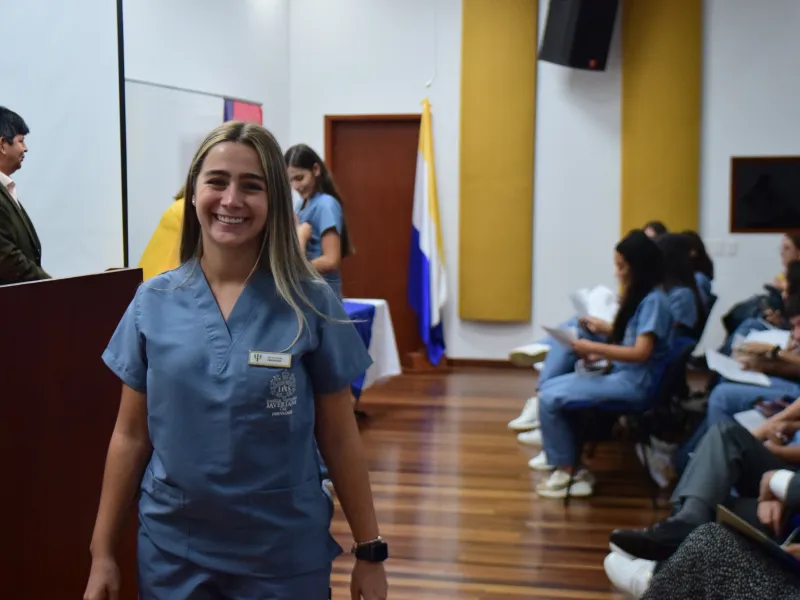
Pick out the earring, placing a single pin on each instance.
(194, 202)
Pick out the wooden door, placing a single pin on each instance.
(373, 160)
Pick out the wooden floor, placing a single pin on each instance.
(455, 497)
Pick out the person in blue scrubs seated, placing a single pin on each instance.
(685, 301)
(320, 218)
(635, 350)
(560, 360)
(230, 365)
(728, 398)
(703, 266)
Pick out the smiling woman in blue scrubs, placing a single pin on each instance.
(321, 224)
(230, 364)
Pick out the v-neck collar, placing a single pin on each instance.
(222, 334)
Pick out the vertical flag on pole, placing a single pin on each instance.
(243, 111)
(427, 286)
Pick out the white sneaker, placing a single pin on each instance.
(528, 418)
(631, 576)
(539, 463)
(527, 356)
(530, 438)
(556, 486)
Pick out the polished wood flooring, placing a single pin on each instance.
(455, 497)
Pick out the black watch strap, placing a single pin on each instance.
(374, 551)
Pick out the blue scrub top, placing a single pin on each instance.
(233, 481)
(683, 306)
(323, 213)
(652, 316)
(704, 287)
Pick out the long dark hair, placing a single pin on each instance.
(702, 261)
(793, 278)
(676, 252)
(302, 156)
(656, 227)
(646, 273)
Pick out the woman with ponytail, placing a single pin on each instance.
(634, 351)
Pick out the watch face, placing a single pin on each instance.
(377, 552)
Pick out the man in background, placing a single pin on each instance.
(20, 250)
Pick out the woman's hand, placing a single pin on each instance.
(595, 325)
(103, 580)
(777, 432)
(304, 234)
(755, 348)
(752, 363)
(368, 581)
(794, 550)
(584, 347)
(770, 513)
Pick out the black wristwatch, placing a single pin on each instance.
(375, 551)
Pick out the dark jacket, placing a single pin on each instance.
(20, 250)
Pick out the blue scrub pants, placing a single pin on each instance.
(556, 394)
(727, 399)
(163, 576)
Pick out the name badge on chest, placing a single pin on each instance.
(269, 359)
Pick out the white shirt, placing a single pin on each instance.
(10, 185)
(779, 484)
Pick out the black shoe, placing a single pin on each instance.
(658, 542)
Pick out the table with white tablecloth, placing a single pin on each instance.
(374, 324)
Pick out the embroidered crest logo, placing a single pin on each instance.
(283, 389)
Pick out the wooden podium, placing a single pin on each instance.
(58, 404)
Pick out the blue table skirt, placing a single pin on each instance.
(362, 316)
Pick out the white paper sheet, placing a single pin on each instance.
(599, 302)
(580, 300)
(733, 371)
(565, 337)
(773, 337)
(750, 419)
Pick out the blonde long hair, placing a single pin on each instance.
(280, 253)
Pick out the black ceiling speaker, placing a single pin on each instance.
(578, 33)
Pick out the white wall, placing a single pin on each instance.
(235, 48)
(60, 74)
(750, 107)
(577, 181)
(375, 56)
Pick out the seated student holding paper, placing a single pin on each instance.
(685, 301)
(767, 493)
(771, 318)
(729, 398)
(635, 349)
(560, 359)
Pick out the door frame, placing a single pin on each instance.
(331, 120)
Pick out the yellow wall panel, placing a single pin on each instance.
(662, 45)
(498, 109)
